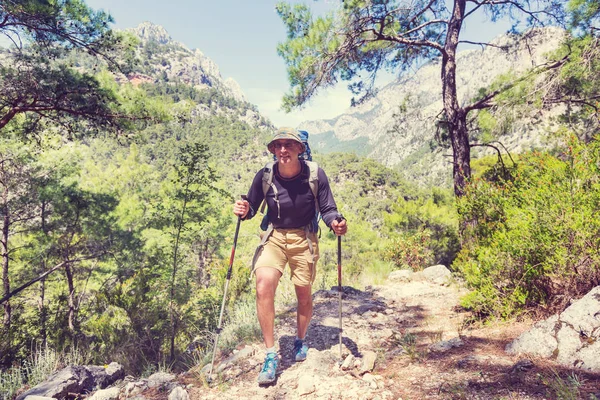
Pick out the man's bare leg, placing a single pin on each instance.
(304, 309)
(267, 280)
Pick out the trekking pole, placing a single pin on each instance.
(235, 237)
(339, 265)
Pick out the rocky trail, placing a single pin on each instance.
(406, 339)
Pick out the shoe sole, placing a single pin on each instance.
(266, 382)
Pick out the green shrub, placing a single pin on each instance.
(411, 251)
(532, 239)
(423, 230)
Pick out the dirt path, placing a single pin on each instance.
(420, 345)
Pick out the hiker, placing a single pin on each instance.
(290, 239)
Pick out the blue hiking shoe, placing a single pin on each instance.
(269, 369)
(300, 350)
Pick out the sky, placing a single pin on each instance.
(241, 37)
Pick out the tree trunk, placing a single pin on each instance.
(42, 309)
(456, 116)
(5, 260)
(71, 298)
(203, 260)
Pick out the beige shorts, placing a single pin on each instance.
(289, 246)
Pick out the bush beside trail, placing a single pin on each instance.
(532, 232)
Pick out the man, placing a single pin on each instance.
(289, 240)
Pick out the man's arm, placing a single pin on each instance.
(328, 207)
(247, 208)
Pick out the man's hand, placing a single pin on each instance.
(241, 208)
(339, 227)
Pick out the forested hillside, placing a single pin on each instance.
(115, 243)
(121, 154)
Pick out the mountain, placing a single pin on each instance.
(397, 126)
(167, 61)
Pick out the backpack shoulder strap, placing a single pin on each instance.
(267, 182)
(313, 181)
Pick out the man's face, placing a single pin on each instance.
(286, 150)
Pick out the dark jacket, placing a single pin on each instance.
(296, 200)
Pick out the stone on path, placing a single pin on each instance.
(178, 393)
(446, 345)
(402, 275)
(306, 385)
(348, 363)
(438, 274)
(159, 378)
(368, 362)
(106, 394)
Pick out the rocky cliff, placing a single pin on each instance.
(397, 127)
(177, 62)
(164, 60)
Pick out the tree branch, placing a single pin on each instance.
(40, 277)
(483, 44)
(26, 285)
(484, 102)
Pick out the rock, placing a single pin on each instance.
(106, 375)
(72, 379)
(39, 398)
(368, 362)
(106, 394)
(438, 274)
(348, 363)
(178, 393)
(402, 275)
(573, 336)
(446, 345)
(370, 307)
(246, 352)
(522, 365)
(320, 362)
(584, 314)
(160, 378)
(134, 388)
(569, 343)
(589, 356)
(375, 381)
(539, 340)
(306, 385)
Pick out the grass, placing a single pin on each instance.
(409, 343)
(41, 364)
(566, 388)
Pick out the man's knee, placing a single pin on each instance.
(266, 282)
(304, 295)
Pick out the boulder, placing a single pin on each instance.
(446, 345)
(402, 275)
(76, 379)
(438, 274)
(572, 337)
(72, 379)
(104, 376)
